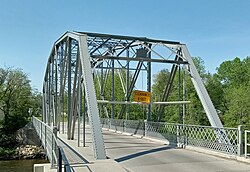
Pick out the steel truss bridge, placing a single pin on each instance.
(76, 78)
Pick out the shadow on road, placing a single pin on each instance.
(135, 155)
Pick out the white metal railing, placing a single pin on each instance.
(54, 152)
(247, 144)
(194, 135)
(48, 139)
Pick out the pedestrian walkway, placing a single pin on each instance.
(81, 159)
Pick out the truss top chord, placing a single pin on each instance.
(128, 38)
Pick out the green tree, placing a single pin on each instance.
(238, 106)
(15, 99)
(234, 77)
(194, 113)
(233, 73)
(216, 93)
(36, 103)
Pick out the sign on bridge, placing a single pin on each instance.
(142, 96)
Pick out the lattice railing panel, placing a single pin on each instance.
(163, 131)
(213, 138)
(134, 127)
(218, 139)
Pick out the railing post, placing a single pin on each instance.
(45, 138)
(185, 130)
(109, 122)
(55, 132)
(145, 127)
(246, 143)
(41, 132)
(124, 124)
(240, 145)
(178, 135)
(54, 137)
(59, 167)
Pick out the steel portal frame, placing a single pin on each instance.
(77, 57)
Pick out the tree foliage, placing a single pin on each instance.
(235, 81)
(16, 97)
(194, 111)
(228, 88)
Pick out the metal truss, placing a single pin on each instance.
(79, 59)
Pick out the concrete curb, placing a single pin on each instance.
(222, 155)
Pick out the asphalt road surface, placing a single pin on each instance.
(141, 155)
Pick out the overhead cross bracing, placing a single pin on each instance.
(80, 64)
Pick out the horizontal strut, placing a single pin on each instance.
(140, 59)
(142, 103)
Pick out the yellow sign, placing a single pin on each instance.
(142, 96)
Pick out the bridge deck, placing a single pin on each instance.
(135, 154)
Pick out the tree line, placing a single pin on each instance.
(228, 88)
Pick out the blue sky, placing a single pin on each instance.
(215, 30)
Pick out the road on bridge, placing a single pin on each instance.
(137, 154)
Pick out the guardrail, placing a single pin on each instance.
(62, 159)
(247, 144)
(193, 135)
(54, 152)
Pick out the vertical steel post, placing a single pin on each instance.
(184, 107)
(149, 83)
(56, 89)
(79, 104)
(113, 90)
(84, 117)
(52, 91)
(101, 91)
(127, 86)
(179, 94)
(62, 78)
(47, 101)
(49, 95)
(75, 98)
(69, 88)
(184, 97)
(179, 106)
